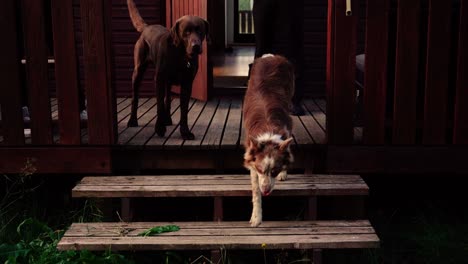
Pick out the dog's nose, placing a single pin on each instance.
(266, 191)
(196, 48)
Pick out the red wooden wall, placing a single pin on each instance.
(124, 37)
(415, 80)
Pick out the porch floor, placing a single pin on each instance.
(216, 124)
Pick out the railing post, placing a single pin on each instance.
(10, 97)
(66, 73)
(36, 71)
(95, 21)
(376, 61)
(460, 135)
(341, 70)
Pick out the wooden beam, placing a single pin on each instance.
(228, 235)
(460, 135)
(36, 70)
(375, 84)
(66, 73)
(406, 72)
(10, 94)
(55, 160)
(398, 159)
(437, 72)
(341, 68)
(96, 52)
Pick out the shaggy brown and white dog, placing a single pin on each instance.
(268, 126)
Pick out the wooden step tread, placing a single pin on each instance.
(215, 185)
(216, 235)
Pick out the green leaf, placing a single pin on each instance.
(159, 229)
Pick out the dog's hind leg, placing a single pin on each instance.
(185, 92)
(167, 116)
(139, 57)
(161, 84)
(256, 218)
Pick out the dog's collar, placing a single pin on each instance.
(189, 65)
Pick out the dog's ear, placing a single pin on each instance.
(285, 143)
(175, 33)
(207, 31)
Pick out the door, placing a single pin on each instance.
(176, 9)
(243, 22)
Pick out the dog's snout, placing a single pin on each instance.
(266, 190)
(196, 48)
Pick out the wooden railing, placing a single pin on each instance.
(416, 72)
(95, 25)
(246, 22)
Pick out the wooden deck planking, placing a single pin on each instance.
(175, 115)
(215, 235)
(124, 115)
(309, 120)
(215, 185)
(145, 116)
(215, 132)
(300, 134)
(200, 128)
(175, 140)
(217, 124)
(233, 126)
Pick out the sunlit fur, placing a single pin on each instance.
(268, 126)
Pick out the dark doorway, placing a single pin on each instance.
(243, 22)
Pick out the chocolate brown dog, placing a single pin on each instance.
(174, 53)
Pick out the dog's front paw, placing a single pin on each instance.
(168, 121)
(282, 176)
(132, 122)
(255, 220)
(160, 130)
(186, 134)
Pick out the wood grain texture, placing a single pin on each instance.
(66, 72)
(341, 70)
(376, 71)
(460, 135)
(56, 160)
(10, 97)
(215, 185)
(36, 71)
(437, 72)
(97, 72)
(228, 235)
(406, 72)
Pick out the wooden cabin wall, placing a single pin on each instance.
(124, 37)
(153, 11)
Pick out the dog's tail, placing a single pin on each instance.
(137, 20)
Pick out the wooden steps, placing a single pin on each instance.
(216, 235)
(314, 235)
(215, 185)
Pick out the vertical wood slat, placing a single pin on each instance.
(376, 71)
(329, 61)
(36, 69)
(406, 72)
(66, 73)
(169, 8)
(342, 65)
(10, 96)
(111, 90)
(95, 54)
(437, 74)
(460, 135)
